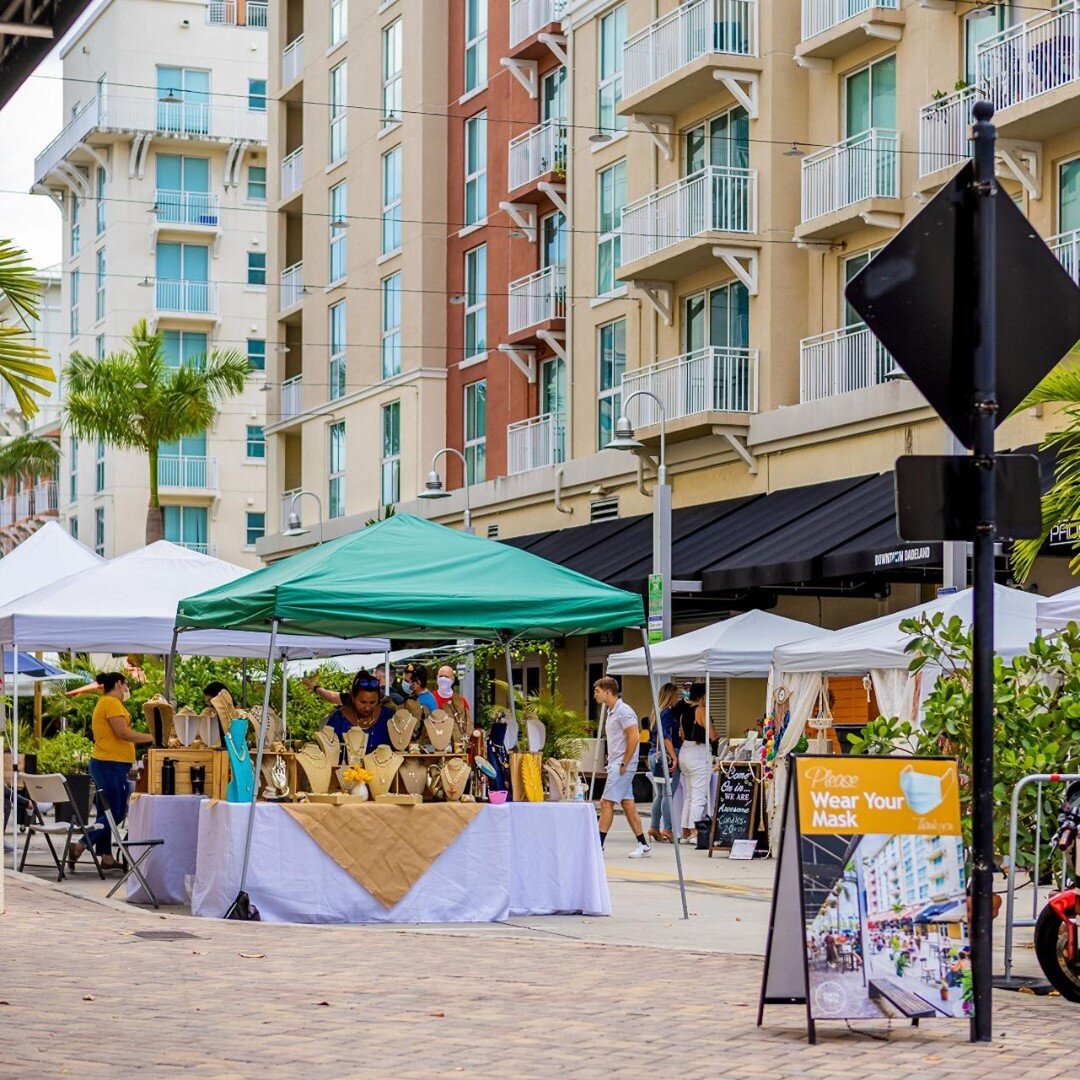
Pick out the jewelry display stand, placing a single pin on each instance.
(402, 725)
(330, 744)
(355, 745)
(317, 770)
(455, 777)
(439, 728)
(243, 774)
(383, 764)
(412, 776)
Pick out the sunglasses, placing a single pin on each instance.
(366, 684)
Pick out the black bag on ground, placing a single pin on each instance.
(703, 827)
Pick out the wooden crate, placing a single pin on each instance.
(216, 762)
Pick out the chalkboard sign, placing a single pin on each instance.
(735, 809)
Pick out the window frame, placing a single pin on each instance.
(339, 84)
(335, 452)
(337, 338)
(75, 226)
(609, 238)
(73, 471)
(253, 184)
(390, 332)
(99, 467)
(338, 251)
(390, 454)
(339, 21)
(474, 446)
(610, 80)
(254, 440)
(475, 168)
(249, 529)
(99, 530)
(99, 284)
(475, 323)
(609, 397)
(393, 65)
(254, 271)
(256, 101)
(99, 199)
(256, 358)
(391, 206)
(73, 303)
(475, 46)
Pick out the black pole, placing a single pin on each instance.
(984, 198)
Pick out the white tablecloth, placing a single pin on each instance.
(518, 859)
(174, 819)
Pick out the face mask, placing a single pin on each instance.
(125, 694)
(406, 686)
(686, 695)
(446, 685)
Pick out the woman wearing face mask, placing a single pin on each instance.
(110, 762)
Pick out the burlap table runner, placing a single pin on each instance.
(386, 848)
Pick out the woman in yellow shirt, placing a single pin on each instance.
(110, 763)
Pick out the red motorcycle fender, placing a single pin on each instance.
(1066, 904)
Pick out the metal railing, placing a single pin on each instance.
(537, 152)
(821, 15)
(529, 16)
(840, 361)
(46, 500)
(292, 172)
(713, 379)
(863, 166)
(943, 131)
(535, 443)
(185, 207)
(1066, 247)
(187, 471)
(292, 285)
(189, 297)
(292, 60)
(292, 394)
(1031, 58)
(7, 511)
(24, 504)
(286, 505)
(198, 546)
(537, 298)
(694, 30)
(226, 13)
(716, 199)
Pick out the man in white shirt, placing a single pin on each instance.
(622, 748)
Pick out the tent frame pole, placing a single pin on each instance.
(284, 694)
(510, 685)
(170, 665)
(14, 755)
(658, 735)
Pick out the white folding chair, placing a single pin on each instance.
(130, 855)
(54, 788)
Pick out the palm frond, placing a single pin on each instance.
(28, 455)
(101, 400)
(18, 279)
(25, 367)
(1062, 385)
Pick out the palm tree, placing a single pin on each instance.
(24, 366)
(28, 456)
(133, 400)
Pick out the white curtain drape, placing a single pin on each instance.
(897, 692)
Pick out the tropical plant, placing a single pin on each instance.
(24, 366)
(65, 752)
(134, 400)
(28, 456)
(566, 729)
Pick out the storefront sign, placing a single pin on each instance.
(656, 608)
(903, 556)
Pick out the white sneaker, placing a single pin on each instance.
(642, 851)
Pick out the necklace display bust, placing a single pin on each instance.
(383, 764)
(454, 775)
(439, 728)
(312, 759)
(402, 725)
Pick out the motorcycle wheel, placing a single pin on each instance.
(1050, 940)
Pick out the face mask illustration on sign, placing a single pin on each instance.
(923, 791)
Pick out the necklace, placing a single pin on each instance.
(454, 775)
(413, 776)
(384, 766)
(439, 729)
(402, 725)
(316, 768)
(355, 745)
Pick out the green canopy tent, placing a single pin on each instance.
(412, 579)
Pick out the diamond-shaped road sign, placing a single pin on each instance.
(918, 297)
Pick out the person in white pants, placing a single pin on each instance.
(694, 761)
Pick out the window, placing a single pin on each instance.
(336, 491)
(190, 115)
(553, 403)
(99, 347)
(74, 312)
(870, 98)
(723, 140)
(99, 531)
(553, 239)
(980, 24)
(337, 113)
(476, 432)
(256, 353)
(475, 44)
(391, 74)
(256, 267)
(184, 348)
(337, 350)
(1069, 197)
(475, 168)
(256, 527)
(73, 472)
(612, 36)
(718, 317)
(338, 224)
(99, 466)
(391, 326)
(390, 491)
(476, 301)
(339, 20)
(256, 442)
(391, 200)
(257, 95)
(75, 227)
(99, 291)
(256, 182)
(73, 527)
(851, 267)
(553, 94)
(611, 191)
(611, 354)
(99, 200)
(187, 526)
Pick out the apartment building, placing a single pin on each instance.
(160, 173)
(28, 502)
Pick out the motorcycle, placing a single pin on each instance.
(1057, 938)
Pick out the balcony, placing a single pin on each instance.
(841, 361)
(677, 60)
(181, 209)
(670, 233)
(46, 501)
(292, 286)
(943, 131)
(852, 184)
(292, 397)
(535, 443)
(538, 155)
(537, 302)
(229, 13)
(24, 504)
(529, 20)
(698, 389)
(186, 471)
(831, 28)
(292, 60)
(198, 546)
(7, 511)
(197, 298)
(1066, 247)
(292, 172)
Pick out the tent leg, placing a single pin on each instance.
(510, 684)
(14, 751)
(658, 734)
(284, 695)
(170, 666)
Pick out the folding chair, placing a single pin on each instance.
(53, 787)
(131, 860)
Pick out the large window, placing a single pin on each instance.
(391, 454)
(475, 168)
(185, 348)
(391, 326)
(99, 531)
(256, 183)
(339, 20)
(391, 73)
(76, 228)
(183, 104)
(337, 112)
(73, 313)
(337, 350)
(187, 526)
(338, 225)
(99, 466)
(611, 197)
(99, 199)
(476, 431)
(611, 353)
(256, 443)
(391, 200)
(99, 285)
(475, 44)
(476, 301)
(256, 353)
(718, 317)
(870, 97)
(73, 471)
(980, 24)
(256, 527)
(723, 140)
(612, 36)
(336, 471)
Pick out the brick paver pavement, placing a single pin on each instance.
(81, 993)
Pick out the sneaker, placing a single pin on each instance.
(641, 851)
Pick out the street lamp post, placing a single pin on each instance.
(434, 489)
(296, 525)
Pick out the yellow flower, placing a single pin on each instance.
(354, 774)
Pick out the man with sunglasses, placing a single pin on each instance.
(361, 706)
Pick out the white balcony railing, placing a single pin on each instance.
(537, 298)
(943, 130)
(187, 297)
(1066, 246)
(840, 361)
(226, 13)
(286, 505)
(821, 15)
(45, 497)
(713, 379)
(529, 16)
(7, 511)
(292, 392)
(258, 14)
(185, 208)
(24, 504)
(864, 166)
(292, 60)
(292, 172)
(694, 30)
(717, 199)
(539, 151)
(534, 443)
(187, 471)
(199, 546)
(1031, 58)
(292, 285)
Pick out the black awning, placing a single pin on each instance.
(20, 54)
(599, 550)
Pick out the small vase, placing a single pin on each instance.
(359, 791)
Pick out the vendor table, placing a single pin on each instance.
(174, 819)
(517, 859)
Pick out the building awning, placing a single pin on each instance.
(32, 29)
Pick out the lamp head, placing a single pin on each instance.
(624, 436)
(434, 489)
(296, 526)
(896, 374)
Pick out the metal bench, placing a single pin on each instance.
(904, 1001)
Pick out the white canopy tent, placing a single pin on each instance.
(45, 556)
(1056, 612)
